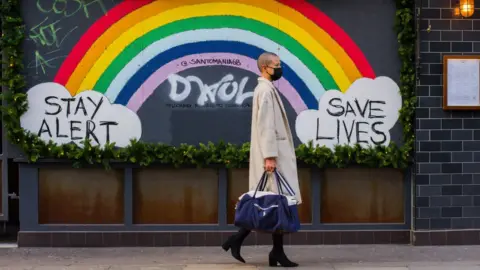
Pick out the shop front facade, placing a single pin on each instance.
(447, 205)
(138, 119)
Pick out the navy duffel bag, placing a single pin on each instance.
(268, 211)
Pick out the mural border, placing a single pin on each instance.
(229, 155)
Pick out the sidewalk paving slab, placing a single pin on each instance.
(352, 257)
(451, 267)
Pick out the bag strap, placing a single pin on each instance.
(286, 184)
(279, 185)
(261, 184)
(281, 181)
(278, 181)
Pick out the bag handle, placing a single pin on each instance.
(261, 184)
(281, 181)
(279, 185)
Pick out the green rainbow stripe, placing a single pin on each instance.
(212, 22)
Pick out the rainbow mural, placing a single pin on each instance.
(131, 50)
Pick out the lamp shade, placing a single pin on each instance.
(467, 7)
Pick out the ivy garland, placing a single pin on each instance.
(226, 154)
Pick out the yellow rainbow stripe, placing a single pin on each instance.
(159, 13)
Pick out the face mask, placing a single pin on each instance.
(277, 73)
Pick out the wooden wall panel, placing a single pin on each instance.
(80, 196)
(175, 196)
(360, 195)
(238, 184)
(305, 209)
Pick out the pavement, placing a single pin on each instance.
(351, 257)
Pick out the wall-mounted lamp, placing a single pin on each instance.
(464, 8)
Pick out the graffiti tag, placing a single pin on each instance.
(46, 34)
(226, 90)
(49, 36)
(69, 8)
(44, 62)
(212, 61)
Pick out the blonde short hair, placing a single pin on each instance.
(265, 59)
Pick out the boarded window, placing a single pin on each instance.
(170, 196)
(80, 196)
(360, 195)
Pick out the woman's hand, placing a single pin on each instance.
(270, 164)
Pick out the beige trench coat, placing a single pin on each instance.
(271, 137)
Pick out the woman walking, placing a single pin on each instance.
(271, 149)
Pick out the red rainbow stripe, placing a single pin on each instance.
(93, 33)
(336, 32)
(128, 6)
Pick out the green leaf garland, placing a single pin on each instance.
(229, 155)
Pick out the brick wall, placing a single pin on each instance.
(448, 143)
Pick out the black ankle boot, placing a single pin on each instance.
(277, 255)
(234, 243)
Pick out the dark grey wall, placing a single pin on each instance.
(448, 143)
(51, 36)
(370, 23)
(52, 29)
(179, 125)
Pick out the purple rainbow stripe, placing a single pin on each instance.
(178, 65)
